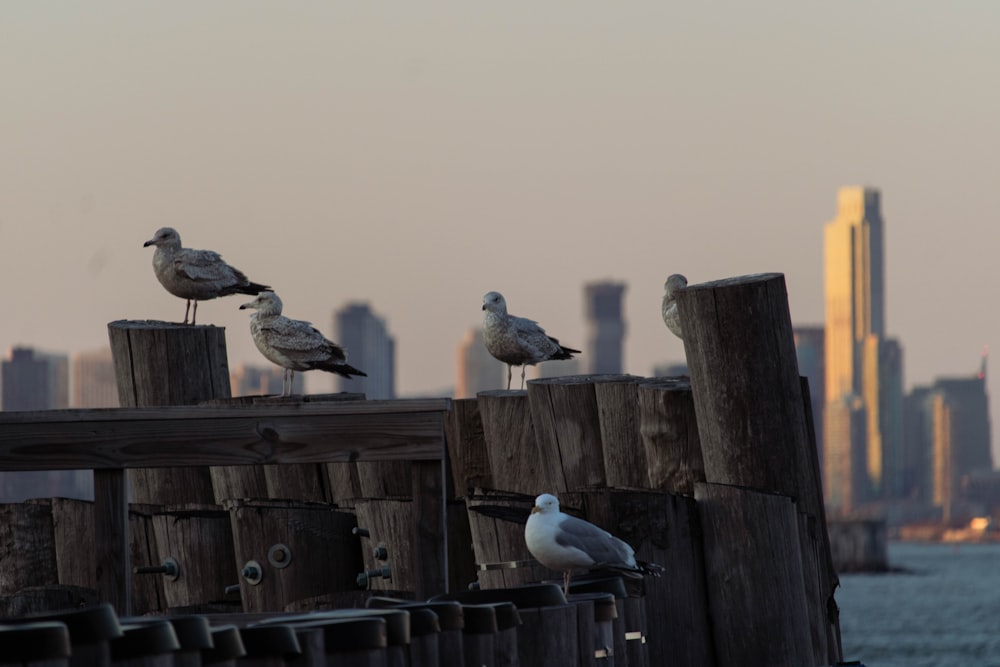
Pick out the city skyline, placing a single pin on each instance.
(416, 159)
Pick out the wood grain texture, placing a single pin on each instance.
(669, 430)
(201, 541)
(467, 450)
(568, 432)
(325, 555)
(154, 437)
(625, 464)
(111, 539)
(745, 382)
(755, 579)
(27, 547)
(509, 433)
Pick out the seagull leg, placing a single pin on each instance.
(187, 309)
(523, 368)
(194, 311)
(291, 382)
(566, 577)
(509, 370)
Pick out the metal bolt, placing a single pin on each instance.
(364, 578)
(380, 552)
(360, 532)
(169, 569)
(252, 572)
(280, 556)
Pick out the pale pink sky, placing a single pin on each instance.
(418, 155)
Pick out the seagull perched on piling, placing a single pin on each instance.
(564, 543)
(293, 344)
(195, 275)
(668, 308)
(517, 341)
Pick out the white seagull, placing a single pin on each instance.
(293, 344)
(564, 543)
(517, 341)
(195, 275)
(669, 307)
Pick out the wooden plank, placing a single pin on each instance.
(111, 539)
(254, 436)
(430, 527)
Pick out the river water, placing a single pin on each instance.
(943, 610)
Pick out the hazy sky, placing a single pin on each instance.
(416, 155)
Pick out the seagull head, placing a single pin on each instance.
(265, 303)
(495, 303)
(674, 283)
(164, 236)
(546, 503)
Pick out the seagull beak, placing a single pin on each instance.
(536, 509)
(484, 306)
(148, 243)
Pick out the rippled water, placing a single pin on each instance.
(945, 610)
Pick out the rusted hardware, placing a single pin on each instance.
(364, 578)
(169, 569)
(280, 556)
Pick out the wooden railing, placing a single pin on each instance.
(110, 441)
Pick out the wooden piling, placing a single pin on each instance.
(625, 464)
(509, 433)
(755, 432)
(159, 363)
(467, 449)
(27, 547)
(669, 431)
(496, 521)
(754, 569)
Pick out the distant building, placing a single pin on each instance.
(605, 341)
(845, 479)
(370, 348)
(477, 369)
(811, 355)
(863, 368)
(93, 380)
(256, 381)
(555, 369)
(32, 380)
(670, 370)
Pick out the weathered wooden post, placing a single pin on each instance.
(156, 363)
(510, 442)
(669, 431)
(159, 363)
(625, 464)
(748, 400)
(467, 451)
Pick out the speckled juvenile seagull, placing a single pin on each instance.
(517, 341)
(565, 543)
(293, 344)
(669, 306)
(195, 275)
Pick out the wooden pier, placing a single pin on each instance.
(714, 477)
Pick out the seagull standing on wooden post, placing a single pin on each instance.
(195, 275)
(293, 344)
(517, 341)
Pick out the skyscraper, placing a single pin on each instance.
(863, 369)
(32, 380)
(370, 348)
(477, 369)
(93, 380)
(605, 327)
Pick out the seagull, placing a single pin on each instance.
(517, 341)
(293, 344)
(563, 542)
(195, 275)
(669, 308)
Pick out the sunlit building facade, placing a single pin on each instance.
(862, 368)
(370, 348)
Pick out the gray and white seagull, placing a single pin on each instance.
(565, 543)
(517, 341)
(671, 317)
(195, 275)
(293, 344)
